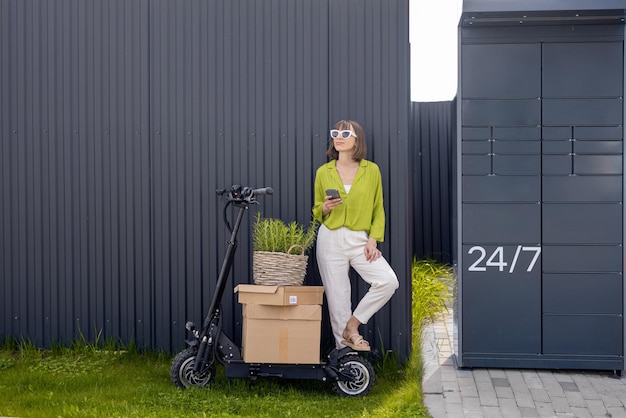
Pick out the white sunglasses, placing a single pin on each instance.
(334, 133)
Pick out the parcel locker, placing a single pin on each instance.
(540, 164)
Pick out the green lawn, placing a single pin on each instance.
(83, 381)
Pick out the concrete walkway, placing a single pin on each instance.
(450, 392)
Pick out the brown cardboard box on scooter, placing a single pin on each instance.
(280, 295)
(281, 334)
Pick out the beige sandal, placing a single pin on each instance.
(356, 342)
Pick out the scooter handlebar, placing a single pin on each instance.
(239, 194)
(263, 191)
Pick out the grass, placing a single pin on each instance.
(432, 290)
(106, 379)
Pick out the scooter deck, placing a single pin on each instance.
(240, 369)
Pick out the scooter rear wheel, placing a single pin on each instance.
(182, 371)
(363, 376)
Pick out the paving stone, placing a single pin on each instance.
(585, 387)
(447, 361)
(616, 412)
(533, 382)
(621, 396)
(563, 377)
(510, 413)
(611, 401)
(528, 412)
(437, 413)
(488, 398)
(581, 412)
(509, 408)
(520, 389)
(502, 382)
(465, 373)
(469, 391)
(485, 386)
(455, 415)
(449, 386)
(581, 380)
(448, 374)
(473, 413)
(596, 407)
(504, 393)
(524, 400)
(560, 404)
(550, 382)
(604, 383)
(569, 386)
(539, 395)
(514, 376)
(471, 403)
(590, 393)
(508, 404)
(448, 380)
(492, 412)
(545, 409)
(497, 373)
(435, 405)
(529, 373)
(556, 391)
(482, 375)
(575, 399)
(452, 398)
(466, 381)
(454, 409)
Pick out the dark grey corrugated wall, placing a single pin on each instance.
(75, 255)
(118, 120)
(432, 167)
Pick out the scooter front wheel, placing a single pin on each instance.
(182, 371)
(363, 376)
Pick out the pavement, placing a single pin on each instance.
(451, 392)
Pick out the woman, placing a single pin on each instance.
(351, 227)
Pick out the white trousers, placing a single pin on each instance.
(337, 250)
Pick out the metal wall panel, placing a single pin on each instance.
(432, 163)
(75, 222)
(120, 119)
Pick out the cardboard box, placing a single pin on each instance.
(281, 334)
(280, 295)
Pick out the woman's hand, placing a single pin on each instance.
(372, 253)
(329, 204)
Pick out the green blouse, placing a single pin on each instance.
(361, 209)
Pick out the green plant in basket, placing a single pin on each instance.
(279, 248)
(274, 235)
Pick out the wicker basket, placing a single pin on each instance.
(279, 269)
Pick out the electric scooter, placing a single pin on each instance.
(348, 372)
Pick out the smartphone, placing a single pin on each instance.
(334, 193)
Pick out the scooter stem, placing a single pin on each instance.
(202, 356)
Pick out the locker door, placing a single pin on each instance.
(501, 190)
(582, 118)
